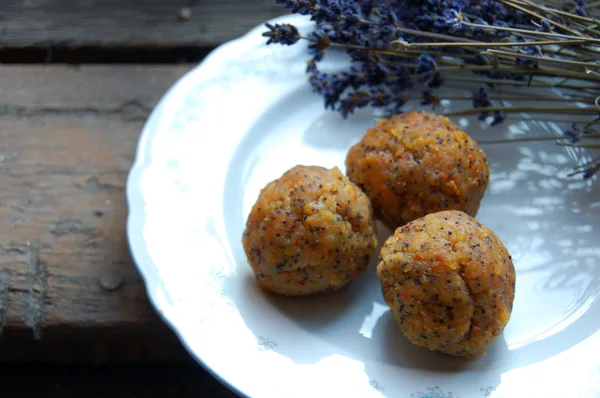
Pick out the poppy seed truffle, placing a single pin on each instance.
(418, 163)
(449, 281)
(310, 231)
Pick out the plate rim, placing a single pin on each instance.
(134, 198)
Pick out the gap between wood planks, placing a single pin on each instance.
(124, 31)
(103, 55)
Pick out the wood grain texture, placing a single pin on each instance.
(130, 23)
(68, 288)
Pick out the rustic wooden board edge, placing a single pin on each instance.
(69, 291)
(145, 23)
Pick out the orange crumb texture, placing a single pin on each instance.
(449, 282)
(418, 163)
(310, 231)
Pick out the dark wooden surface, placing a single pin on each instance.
(132, 22)
(68, 288)
(74, 315)
(69, 291)
(163, 380)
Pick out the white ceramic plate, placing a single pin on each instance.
(247, 114)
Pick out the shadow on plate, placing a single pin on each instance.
(327, 132)
(335, 324)
(396, 349)
(317, 312)
(333, 318)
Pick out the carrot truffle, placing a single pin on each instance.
(310, 231)
(449, 282)
(418, 163)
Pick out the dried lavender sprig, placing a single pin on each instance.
(369, 30)
(583, 75)
(531, 109)
(523, 31)
(490, 81)
(517, 6)
(580, 145)
(557, 139)
(285, 34)
(503, 44)
(589, 170)
(589, 101)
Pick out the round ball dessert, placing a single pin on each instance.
(310, 231)
(418, 163)
(449, 282)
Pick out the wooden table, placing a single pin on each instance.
(78, 80)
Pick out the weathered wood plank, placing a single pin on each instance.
(129, 23)
(68, 287)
